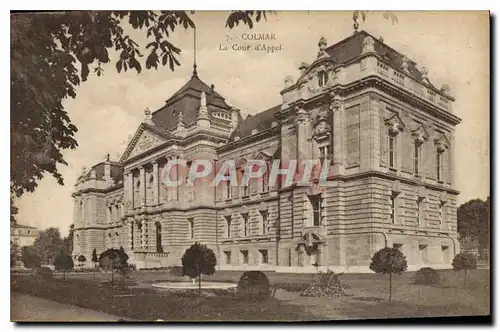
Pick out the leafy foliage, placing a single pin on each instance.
(82, 259)
(389, 261)
(114, 260)
(327, 284)
(15, 253)
(48, 244)
(473, 221)
(197, 260)
(95, 259)
(254, 284)
(245, 16)
(51, 53)
(464, 261)
(29, 258)
(44, 273)
(426, 276)
(63, 262)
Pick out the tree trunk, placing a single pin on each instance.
(465, 279)
(199, 284)
(64, 274)
(390, 287)
(112, 277)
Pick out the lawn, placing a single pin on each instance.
(367, 300)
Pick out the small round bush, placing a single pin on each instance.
(426, 276)
(254, 284)
(44, 272)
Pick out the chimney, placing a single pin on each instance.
(107, 168)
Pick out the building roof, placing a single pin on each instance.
(116, 171)
(352, 47)
(17, 225)
(187, 100)
(260, 121)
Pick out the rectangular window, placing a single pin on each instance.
(393, 208)
(419, 211)
(323, 152)
(439, 166)
(264, 258)
(246, 226)
(265, 179)
(392, 151)
(227, 231)
(228, 190)
(227, 257)
(244, 256)
(422, 248)
(264, 215)
(191, 228)
(416, 158)
(316, 208)
(441, 213)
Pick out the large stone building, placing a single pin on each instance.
(386, 130)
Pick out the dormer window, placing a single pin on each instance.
(322, 78)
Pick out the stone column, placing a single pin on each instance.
(375, 134)
(303, 148)
(156, 194)
(129, 189)
(142, 178)
(320, 254)
(302, 255)
(338, 133)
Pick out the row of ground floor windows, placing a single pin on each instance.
(244, 257)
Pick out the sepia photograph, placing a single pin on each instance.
(250, 166)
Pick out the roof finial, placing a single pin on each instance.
(148, 117)
(107, 156)
(195, 72)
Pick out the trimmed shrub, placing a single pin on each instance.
(254, 284)
(44, 273)
(326, 284)
(426, 276)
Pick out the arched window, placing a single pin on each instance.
(322, 78)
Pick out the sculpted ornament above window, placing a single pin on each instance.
(441, 142)
(419, 134)
(302, 116)
(336, 102)
(394, 125)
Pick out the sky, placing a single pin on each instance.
(454, 46)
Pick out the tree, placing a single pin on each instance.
(15, 253)
(29, 258)
(47, 244)
(68, 241)
(82, 259)
(95, 259)
(114, 260)
(197, 260)
(473, 221)
(389, 261)
(63, 262)
(464, 261)
(47, 49)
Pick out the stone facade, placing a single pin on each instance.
(384, 131)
